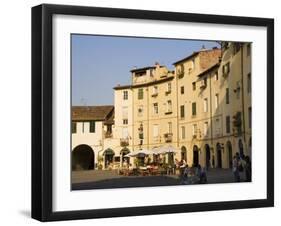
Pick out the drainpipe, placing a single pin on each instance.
(243, 104)
(177, 111)
(211, 123)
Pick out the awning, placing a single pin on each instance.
(108, 152)
(139, 153)
(165, 149)
(124, 151)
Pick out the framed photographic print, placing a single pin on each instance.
(145, 112)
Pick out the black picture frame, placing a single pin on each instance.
(42, 111)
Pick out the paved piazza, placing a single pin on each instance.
(101, 179)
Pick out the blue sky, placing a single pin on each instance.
(101, 62)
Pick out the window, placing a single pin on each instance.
(203, 84)
(205, 128)
(151, 72)
(250, 116)
(125, 121)
(194, 108)
(216, 100)
(249, 49)
(183, 132)
(226, 69)
(109, 129)
(227, 95)
(92, 126)
(155, 131)
(217, 76)
(238, 90)
(236, 47)
(205, 105)
(169, 127)
(180, 71)
(249, 83)
(217, 127)
(193, 85)
(169, 87)
(225, 45)
(227, 123)
(155, 90)
(169, 106)
(193, 64)
(182, 111)
(194, 129)
(74, 127)
(140, 111)
(125, 95)
(182, 89)
(155, 108)
(140, 94)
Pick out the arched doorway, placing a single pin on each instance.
(125, 159)
(230, 155)
(183, 153)
(241, 149)
(208, 156)
(219, 156)
(195, 155)
(108, 157)
(83, 158)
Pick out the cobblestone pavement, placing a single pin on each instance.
(101, 179)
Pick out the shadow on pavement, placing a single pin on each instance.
(127, 182)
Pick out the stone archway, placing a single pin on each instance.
(108, 157)
(183, 153)
(219, 156)
(195, 155)
(83, 158)
(230, 154)
(125, 159)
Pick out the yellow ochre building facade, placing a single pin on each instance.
(202, 108)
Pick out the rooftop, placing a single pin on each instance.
(96, 113)
(216, 65)
(194, 54)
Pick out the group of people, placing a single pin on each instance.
(242, 164)
(191, 175)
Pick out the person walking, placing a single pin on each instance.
(248, 169)
(235, 168)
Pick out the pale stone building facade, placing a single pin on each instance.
(202, 108)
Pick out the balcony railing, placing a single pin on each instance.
(108, 134)
(124, 142)
(168, 92)
(203, 85)
(168, 137)
(180, 75)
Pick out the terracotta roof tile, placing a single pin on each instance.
(97, 113)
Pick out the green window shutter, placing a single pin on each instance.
(182, 111)
(194, 108)
(74, 127)
(140, 94)
(227, 124)
(227, 95)
(92, 126)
